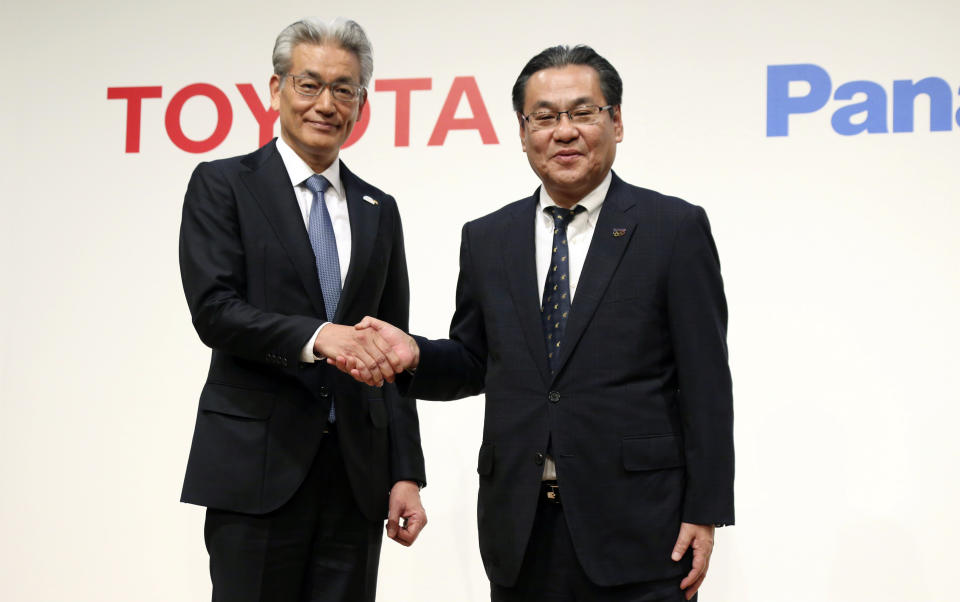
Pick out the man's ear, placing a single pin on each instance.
(523, 131)
(617, 123)
(275, 92)
(362, 103)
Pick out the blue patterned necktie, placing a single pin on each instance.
(324, 243)
(556, 292)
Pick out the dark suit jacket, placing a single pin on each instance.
(251, 282)
(639, 417)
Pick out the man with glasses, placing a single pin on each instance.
(298, 464)
(592, 315)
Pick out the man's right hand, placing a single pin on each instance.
(365, 346)
(399, 350)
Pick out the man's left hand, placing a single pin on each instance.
(405, 504)
(700, 538)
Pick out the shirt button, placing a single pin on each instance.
(554, 396)
(324, 392)
(538, 458)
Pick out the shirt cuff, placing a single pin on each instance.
(420, 484)
(307, 355)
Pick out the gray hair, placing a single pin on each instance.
(345, 33)
(560, 56)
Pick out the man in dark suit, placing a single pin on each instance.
(298, 464)
(592, 315)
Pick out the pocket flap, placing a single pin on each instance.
(652, 452)
(485, 460)
(236, 401)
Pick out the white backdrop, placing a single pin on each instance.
(839, 255)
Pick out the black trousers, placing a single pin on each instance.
(316, 547)
(551, 572)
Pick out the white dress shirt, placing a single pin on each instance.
(579, 234)
(336, 201)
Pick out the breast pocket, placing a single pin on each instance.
(633, 287)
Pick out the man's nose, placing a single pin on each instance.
(324, 102)
(565, 130)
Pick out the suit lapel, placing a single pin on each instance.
(520, 265)
(364, 224)
(269, 183)
(610, 238)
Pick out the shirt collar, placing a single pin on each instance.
(591, 202)
(299, 171)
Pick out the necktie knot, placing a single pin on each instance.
(562, 216)
(317, 184)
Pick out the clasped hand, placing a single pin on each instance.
(373, 351)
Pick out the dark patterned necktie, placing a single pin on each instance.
(556, 292)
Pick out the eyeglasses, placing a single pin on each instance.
(582, 115)
(342, 91)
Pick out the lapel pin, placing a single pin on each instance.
(618, 232)
(370, 200)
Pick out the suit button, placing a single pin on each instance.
(538, 458)
(554, 396)
(324, 392)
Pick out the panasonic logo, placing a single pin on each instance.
(858, 106)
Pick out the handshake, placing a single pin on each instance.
(372, 351)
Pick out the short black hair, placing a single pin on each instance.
(560, 56)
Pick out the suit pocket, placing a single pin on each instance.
(652, 452)
(236, 401)
(485, 460)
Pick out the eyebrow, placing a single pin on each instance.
(340, 80)
(583, 100)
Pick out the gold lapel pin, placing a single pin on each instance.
(618, 232)
(371, 200)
